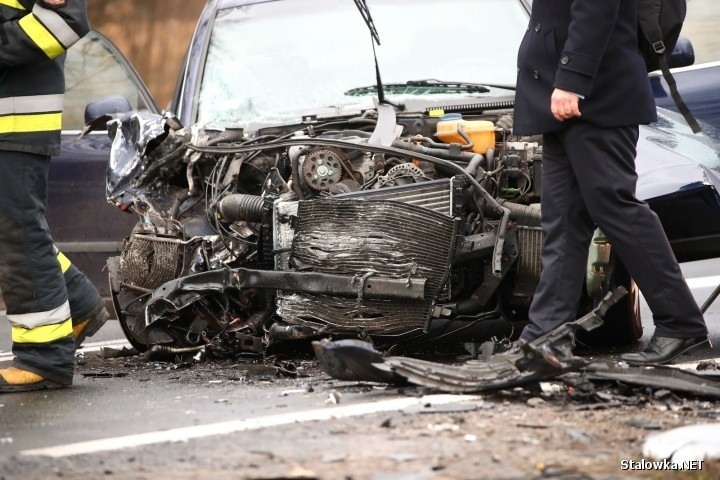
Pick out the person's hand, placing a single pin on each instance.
(54, 3)
(564, 105)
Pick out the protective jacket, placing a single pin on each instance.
(33, 40)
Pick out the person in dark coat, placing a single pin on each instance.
(582, 83)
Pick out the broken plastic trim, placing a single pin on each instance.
(530, 363)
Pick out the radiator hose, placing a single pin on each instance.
(241, 207)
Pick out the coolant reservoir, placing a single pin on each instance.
(481, 132)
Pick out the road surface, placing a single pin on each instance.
(127, 418)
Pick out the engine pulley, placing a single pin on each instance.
(322, 167)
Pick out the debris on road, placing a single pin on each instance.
(643, 424)
(684, 444)
(109, 352)
(333, 398)
(103, 374)
(524, 364)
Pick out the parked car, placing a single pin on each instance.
(289, 197)
(84, 226)
(697, 82)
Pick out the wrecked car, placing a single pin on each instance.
(361, 181)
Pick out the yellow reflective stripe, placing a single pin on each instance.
(44, 122)
(43, 333)
(12, 4)
(65, 263)
(41, 36)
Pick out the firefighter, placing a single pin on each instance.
(51, 305)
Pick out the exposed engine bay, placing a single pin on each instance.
(406, 230)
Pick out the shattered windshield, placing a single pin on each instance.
(271, 62)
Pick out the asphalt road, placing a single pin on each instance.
(161, 399)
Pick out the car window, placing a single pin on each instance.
(92, 71)
(325, 50)
(701, 27)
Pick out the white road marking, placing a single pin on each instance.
(199, 431)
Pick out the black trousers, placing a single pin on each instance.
(42, 295)
(589, 179)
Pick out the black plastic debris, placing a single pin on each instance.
(526, 364)
(353, 360)
(286, 369)
(109, 352)
(257, 370)
(660, 377)
(104, 374)
(708, 366)
(643, 424)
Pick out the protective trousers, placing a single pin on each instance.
(34, 276)
(589, 179)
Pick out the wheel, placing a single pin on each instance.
(622, 323)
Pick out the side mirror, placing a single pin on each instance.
(683, 54)
(106, 106)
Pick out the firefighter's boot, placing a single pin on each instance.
(17, 380)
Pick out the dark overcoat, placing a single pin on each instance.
(588, 47)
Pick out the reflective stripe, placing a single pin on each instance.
(65, 262)
(31, 104)
(42, 334)
(41, 36)
(37, 319)
(56, 25)
(30, 123)
(12, 4)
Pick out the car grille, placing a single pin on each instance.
(368, 237)
(149, 261)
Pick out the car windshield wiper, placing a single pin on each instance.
(421, 87)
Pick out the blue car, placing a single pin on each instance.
(698, 78)
(266, 202)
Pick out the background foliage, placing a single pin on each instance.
(152, 34)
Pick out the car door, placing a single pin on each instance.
(83, 224)
(699, 84)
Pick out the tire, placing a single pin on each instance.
(622, 324)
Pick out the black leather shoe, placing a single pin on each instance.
(665, 349)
